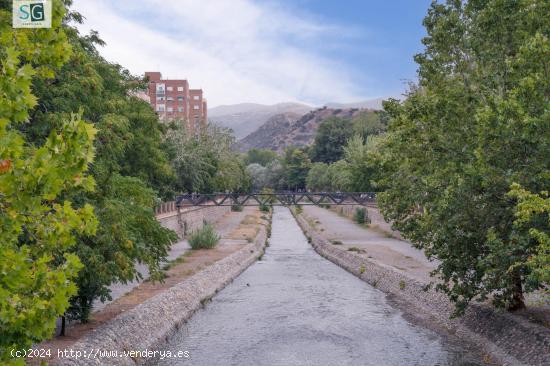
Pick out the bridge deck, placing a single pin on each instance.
(276, 199)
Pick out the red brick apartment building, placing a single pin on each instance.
(172, 99)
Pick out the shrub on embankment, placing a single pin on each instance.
(204, 238)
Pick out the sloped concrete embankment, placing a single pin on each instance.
(149, 325)
(507, 339)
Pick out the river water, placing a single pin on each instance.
(295, 308)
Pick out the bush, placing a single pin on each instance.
(298, 209)
(360, 215)
(236, 208)
(204, 238)
(264, 208)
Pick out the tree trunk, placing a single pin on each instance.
(62, 332)
(516, 299)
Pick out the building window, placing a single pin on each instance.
(196, 97)
(169, 109)
(195, 107)
(180, 99)
(180, 109)
(160, 89)
(170, 99)
(180, 88)
(160, 99)
(160, 107)
(169, 88)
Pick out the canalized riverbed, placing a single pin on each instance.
(294, 307)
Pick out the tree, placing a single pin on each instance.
(130, 167)
(258, 173)
(339, 178)
(37, 222)
(206, 163)
(361, 162)
(369, 123)
(296, 165)
(476, 123)
(259, 156)
(331, 137)
(318, 177)
(533, 215)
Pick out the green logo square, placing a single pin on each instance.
(37, 12)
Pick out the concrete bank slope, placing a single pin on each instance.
(508, 340)
(149, 325)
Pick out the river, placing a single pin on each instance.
(294, 307)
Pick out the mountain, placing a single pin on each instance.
(245, 118)
(291, 129)
(365, 104)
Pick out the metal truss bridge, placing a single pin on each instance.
(276, 199)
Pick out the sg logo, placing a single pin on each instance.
(32, 13)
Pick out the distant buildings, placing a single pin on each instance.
(172, 99)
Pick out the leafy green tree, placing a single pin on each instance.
(275, 175)
(296, 165)
(332, 135)
(369, 123)
(362, 162)
(37, 222)
(258, 173)
(259, 156)
(476, 123)
(318, 177)
(130, 167)
(339, 177)
(533, 214)
(206, 163)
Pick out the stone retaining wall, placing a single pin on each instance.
(508, 339)
(149, 325)
(187, 220)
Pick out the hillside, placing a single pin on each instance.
(365, 104)
(245, 118)
(289, 129)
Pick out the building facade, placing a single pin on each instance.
(172, 99)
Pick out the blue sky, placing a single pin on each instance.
(266, 51)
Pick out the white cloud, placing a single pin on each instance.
(237, 51)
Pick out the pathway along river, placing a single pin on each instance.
(296, 308)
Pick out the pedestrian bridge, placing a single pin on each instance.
(276, 199)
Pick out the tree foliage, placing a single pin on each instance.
(369, 123)
(477, 122)
(38, 222)
(259, 156)
(296, 165)
(332, 135)
(206, 163)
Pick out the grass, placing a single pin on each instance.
(362, 269)
(402, 285)
(357, 250)
(204, 238)
(236, 208)
(360, 215)
(336, 242)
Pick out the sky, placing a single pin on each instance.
(266, 51)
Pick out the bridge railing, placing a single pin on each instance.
(166, 207)
(277, 198)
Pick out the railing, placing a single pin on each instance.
(166, 207)
(278, 198)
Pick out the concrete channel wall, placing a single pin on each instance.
(149, 325)
(507, 339)
(188, 219)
